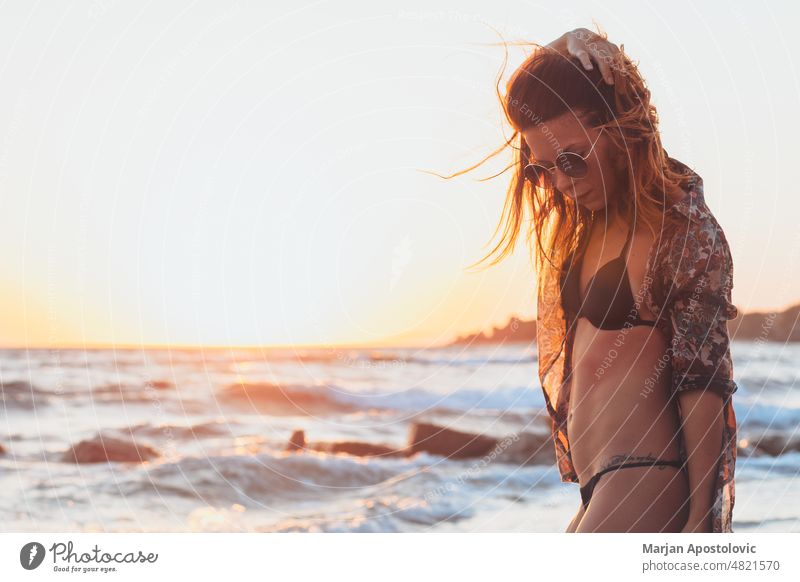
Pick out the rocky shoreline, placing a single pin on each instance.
(524, 448)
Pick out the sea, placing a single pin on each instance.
(219, 420)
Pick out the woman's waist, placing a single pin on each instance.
(641, 379)
(642, 457)
(617, 416)
(597, 444)
(640, 393)
(601, 358)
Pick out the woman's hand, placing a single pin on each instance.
(588, 46)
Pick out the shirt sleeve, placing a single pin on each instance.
(698, 310)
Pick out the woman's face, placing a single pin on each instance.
(602, 186)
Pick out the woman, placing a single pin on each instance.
(634, 287)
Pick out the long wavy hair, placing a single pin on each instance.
(544, 87)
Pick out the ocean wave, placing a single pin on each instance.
(750, 413)
(20, 394)
(286, 399)
(393, 514)
(445, 357)
(301, 399)
(267, 478)
(449, 492)
(128, 393)
(420, 399)
(480, 361)
(189, 432)
(786, 464)
(371, 358)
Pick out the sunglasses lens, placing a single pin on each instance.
(537, 175)
(572, 165)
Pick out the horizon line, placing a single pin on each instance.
(379, 344)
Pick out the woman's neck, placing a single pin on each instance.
(607, 219)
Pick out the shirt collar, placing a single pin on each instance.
(693, 204)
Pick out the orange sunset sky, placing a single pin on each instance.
(251, 175)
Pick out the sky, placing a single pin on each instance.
(257, 173)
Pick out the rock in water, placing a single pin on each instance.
(526, 448)
(356, 448)
(19, 394)
(776, 443)
(447, 442)
(108, 449)
(297, 442)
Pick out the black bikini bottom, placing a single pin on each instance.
(586, 490)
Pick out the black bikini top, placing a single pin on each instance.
(609, 302)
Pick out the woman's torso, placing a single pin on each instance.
(619, 395)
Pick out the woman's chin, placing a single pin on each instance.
(595, 204)
(591, 203)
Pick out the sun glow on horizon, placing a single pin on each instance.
(253, 181)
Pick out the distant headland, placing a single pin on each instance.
(776, 326)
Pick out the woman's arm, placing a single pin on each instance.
(588, 46)
(703, 434)
(698, 272)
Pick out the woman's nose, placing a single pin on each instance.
(563, 182)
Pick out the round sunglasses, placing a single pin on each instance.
(571, 164)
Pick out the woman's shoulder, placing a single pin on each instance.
(687, 200)
(688, 214)
(693, 239)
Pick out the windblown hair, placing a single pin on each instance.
(547, 85)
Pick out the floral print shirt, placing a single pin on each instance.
(688, 287)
